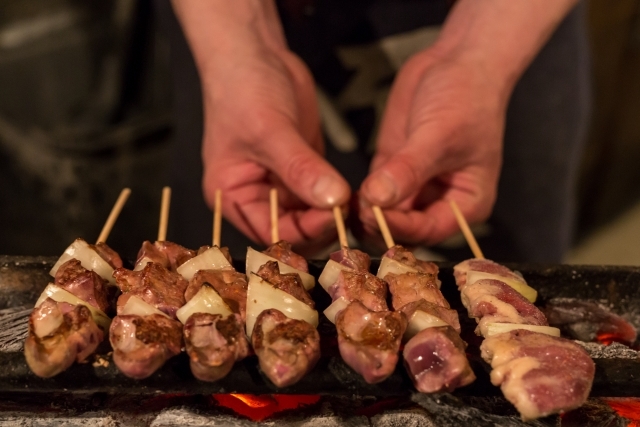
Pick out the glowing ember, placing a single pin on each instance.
(628, 408)
(259, 407)
(609, 338)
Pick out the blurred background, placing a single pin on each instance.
(86, 109)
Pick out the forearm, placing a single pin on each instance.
(501, 37)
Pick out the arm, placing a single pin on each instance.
(261, 124)
(441, 135)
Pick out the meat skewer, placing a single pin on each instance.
(539, 372)
(434, 354)
(215, 311)
(281, 320)
(369, 334)
(145, 332)
(70, 318)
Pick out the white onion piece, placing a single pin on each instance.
(88, 258)
(207, 300)
(139, 307)
(256, 259)
(500, 328)
(519, 285)
(336, 307)
(140, 265)
(211, 259)
(421, 320)
(261, 296)
(330, 274)
(58, 294)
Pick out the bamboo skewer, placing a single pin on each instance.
(464, 226)
(273, 204)
(164, 214)
(113, 216)
(384, 228)
(217, 218)
(342, 233)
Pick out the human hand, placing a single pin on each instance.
(440, 139)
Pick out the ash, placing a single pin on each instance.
(613, 351)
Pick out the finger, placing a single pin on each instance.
(303, 171)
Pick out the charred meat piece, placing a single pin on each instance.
(141, 344)
(153, 284)
(484, 265)
(588, 321)
(369, 341)
(352, 258)
(406, 257)
(283, 253)
(214, 344)
(286, 348)
(539, 374)
(492, 301)
(85, 284)
(108, 254)
(289, 283)
(410, 287)
(361, 286)
(231, 285)
(436, 361)
(168, 254)
(60, 334)
(446, 314)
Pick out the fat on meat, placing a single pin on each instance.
(168, 254)
(410, 287)
(352, 258)
(539, 374)
(287, 349)
(484, 265)
(59, 335)
(493, 301)
(436, 361)
(361, 286)
(369, 341)
(214, 343)
(141, 344)
(230, 285)
(406, 257)
(282, 252)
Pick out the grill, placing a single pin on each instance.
(332, 394)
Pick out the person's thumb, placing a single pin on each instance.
(304, 172)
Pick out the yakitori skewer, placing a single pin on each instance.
(69, 320)
(464, 227)
(434, 353)
(164, 214)
(273, 205)
(217, 218)
(342, 233)
(539, 372)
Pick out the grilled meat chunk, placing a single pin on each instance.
(361, 286)
(214, 344)
(289, 283)
(108, 254)
(286, 348)
(484, 265)
(352, 258)
(231, 285)
(446, 314)
(283, 253)
(410, 287)
(406, 257)
(85, 284)
(168, 254)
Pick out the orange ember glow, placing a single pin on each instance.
(609, 338)
(260, 407)
(628, 408)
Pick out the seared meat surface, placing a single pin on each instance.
(410, 287)
(141, 344)
(168, 254)
(361, 286)
(214, 344)
(108, 254)
(283, 253)
(406, 257)
(484, 265)
(369, 341)
(448, 315)
(289, 283)
(231, 285)
(539, 374)
(85, 284)
(286, 348)
(59, 335)
(352, 258)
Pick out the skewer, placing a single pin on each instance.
(164, 214)
(464, 226)
(384, 228)
(273, 203)
(113, 216)
(217, 218)
(342, 233)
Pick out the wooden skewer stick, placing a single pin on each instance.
(273, 204)
(113, 216)
(384, 229)
(164, 214)
(217, 218)
(464, 226)
(342, 232)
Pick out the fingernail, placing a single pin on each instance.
(328, 191)
(381, 189)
